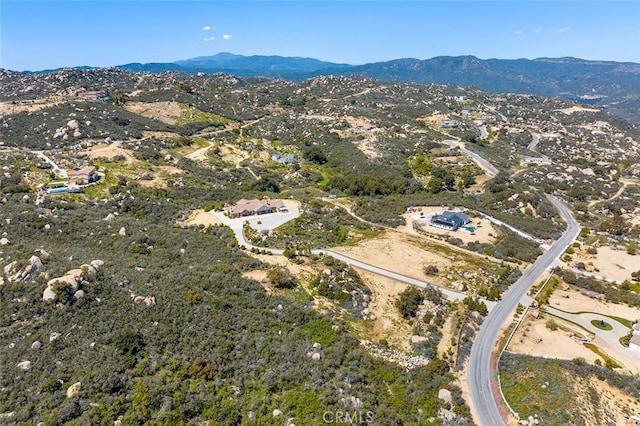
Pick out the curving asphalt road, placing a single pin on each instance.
(480, 371)
(273, 220)
(475, 157)
(535, 138)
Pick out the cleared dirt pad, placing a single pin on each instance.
(110, 151)
(484, 232)
(200, 217)
(164, 111)
(613, 263)
(534, 338)
(574, 301)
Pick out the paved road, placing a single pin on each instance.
(534, 141)
(475, 157)
(483, 131)
(480, 371)
(450, 294)
(270, 221)
(54, 166)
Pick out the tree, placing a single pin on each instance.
(280, 277)
(430, 270)
(409, 302)
(468, 179)
(449, 181)
(435, 185)
(315, 155)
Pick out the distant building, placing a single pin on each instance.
(449, 124)
(538, 160)
(82, 176)
(256, 207)
(92, 95)
(284, 159)
(363, 128)
(450, 220)
(634, 343)
(447, 160)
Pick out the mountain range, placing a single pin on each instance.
(614, 86)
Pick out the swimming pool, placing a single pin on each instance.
(58, 190)
(469, 228)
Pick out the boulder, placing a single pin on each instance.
(88, 268)
(48, 295)
(418, 339)
(75, 273)
(4, 242)
(78, 294)
(445, 395)
(66, 280)
(25, 365)
(277, 413)
(122, 232)
(36, 345)
(73, 124)
(109, 217)
(10, 267)
(36, 264)
(97, 263)
(316, 356)
(74, 389)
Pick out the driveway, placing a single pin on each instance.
(607, 340)
(258, 222)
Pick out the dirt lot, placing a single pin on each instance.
(574, 301)
(577, 109)
(611, 262)
(164, 111)
(7, 108)
(534, 338)
(110, 151)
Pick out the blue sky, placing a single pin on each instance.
(36, 35)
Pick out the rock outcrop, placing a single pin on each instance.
(18, 271)
(74, 389)
(147, 300)
(67, 288)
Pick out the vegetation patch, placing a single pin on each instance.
(538, 386)
(602, 325)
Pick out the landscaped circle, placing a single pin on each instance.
(602, 325)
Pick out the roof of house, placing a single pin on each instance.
(255, 205)
(77, 171)
(451, 218)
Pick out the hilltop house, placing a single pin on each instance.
(256, 207)
(92, 95)
(449, 220)
(82, 176)
(538, 160)
(284, 159)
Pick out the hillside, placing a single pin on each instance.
(163, 314)
(605, 84)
